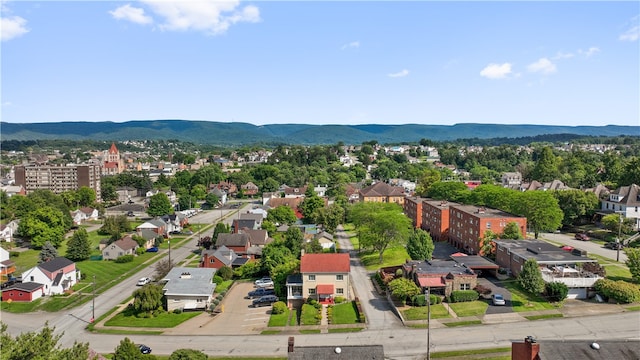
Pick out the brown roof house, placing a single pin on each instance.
(383, 192)
(124, 246)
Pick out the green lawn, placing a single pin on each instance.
(470, 308)
(344, 313)
(523, 301)
(163, 320)
(463, 323)
(294, 318)
(279, 319)
(392, 256)
(308, 316)
(345, 330)
(438, 311)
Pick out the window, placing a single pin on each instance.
(312, 278)
(340, 291)
(339, 277)
(488, 225)
(32, 278)
(312, 291)
(465, 286)
(211, 261)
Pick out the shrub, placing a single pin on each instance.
(217, 280)
(340, 299)
(435, 299)
(399, 273)
(14, 254)
(216, 302)
(124, 259)
(482, 290)
(279, 308)
(140, 251)
(419, 300)
(463, 296)
(360, 313)
(225, 273)
(556, 291)
(620, 291)
(177, 311)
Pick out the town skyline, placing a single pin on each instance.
(263, 62)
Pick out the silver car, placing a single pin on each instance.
(498, 300)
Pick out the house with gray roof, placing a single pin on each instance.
(189, 288)
(351, 352)
(222, 256)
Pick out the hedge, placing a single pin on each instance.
(278, 308)
(124, 259)
(556, 291)
(620, 291)
(463, 296)
(421, 300)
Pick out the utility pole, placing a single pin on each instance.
(169, 242)
(619, 240)
(93, 301)
(428, 296)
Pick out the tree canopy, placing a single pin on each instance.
(420, 245)
(43, 224)
(530, 278)
(42, 345)
(159, 205)
(78, 246)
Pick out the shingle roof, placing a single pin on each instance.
(126, 243)
(582, 350)
(325, 263)
(55, 264)
(351, 352)
(197, 282)
(382, 189)
(28, 287)
(629, 195)
(227, 239)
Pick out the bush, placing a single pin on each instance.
(340, 299)
(399, 273)
(217, 280)
(278, 308)
(482, 290)
(188, 354)
(556, 291)
(463, 296)
(360, 313)
(14, 254)
(419, 300)
(435, 299)
(177, 311)
(620, 291)
(225, 273)
(140, 251)
(124, 259)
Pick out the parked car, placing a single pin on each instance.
(264, 283)
(266, 300)
(497, 299)
(144, 281)
(188, 232)
(582, 236)
(175, 232)
(260, 292)
(152, 249)
(144, 349)
(130, 214)
(614, 245)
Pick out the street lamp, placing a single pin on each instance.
(428, 296)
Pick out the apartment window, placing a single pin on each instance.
(340, 291)
(211, 261)
(312, 291)
(488, 225)
(312, 278)
(32, 278)
(465, 286)
(339, 277)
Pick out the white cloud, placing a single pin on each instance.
(562, 55)
(130, 13)
(402, 73)
(633, 33)
(353, 44)
(543, 65)
(589, 52)
(496, 71)
(12, 27)
(210, 17)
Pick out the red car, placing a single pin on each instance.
(582, 236)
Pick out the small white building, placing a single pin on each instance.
(189, 288)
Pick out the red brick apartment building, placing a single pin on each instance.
(413, 210)
(435, 218)
(468, 223)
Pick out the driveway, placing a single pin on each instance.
(496, 288)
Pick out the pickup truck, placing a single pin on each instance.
(259, 292)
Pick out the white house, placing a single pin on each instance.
(189, 288)
(57, 275)
(7, 231)
(626, 201)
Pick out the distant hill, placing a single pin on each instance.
(232, 134)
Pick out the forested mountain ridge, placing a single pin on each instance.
(236, 133)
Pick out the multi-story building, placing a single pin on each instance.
(113, 164)
(468, 224)
(383, 192)
(413, 210)
(624, 201)
(435, 218)
(58, 178)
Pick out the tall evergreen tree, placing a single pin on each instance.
(546, 168)
(78, 247)
(47, 253)
(420, 245)
(530, 278)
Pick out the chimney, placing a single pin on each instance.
(301, 252)
(528, 350)
(290, 344)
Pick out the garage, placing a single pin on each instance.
(577, 293)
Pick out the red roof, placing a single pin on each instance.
(431, 282)
(324, 289)
(113, 149)
(325, 263)
(459, 254)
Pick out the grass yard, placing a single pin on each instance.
(279, 319)
(544, 316)
(225, 285)
(470, 308)
(345, 330)
(523, 301)
(344, 313)
(294, 318)
(463, 323)
(310, 331)
(438, 311)
(470, 353)
(392, 256)
(309, 315)
(163, 320)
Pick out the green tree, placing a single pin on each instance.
(293, 239)
(159, 205)
(380, 225)
(426, 179)
(274, 254)
(486, 244)
(188, 354)
(575, 205)
(546, 168)
(282, 215)
(42, 345)
(530, 278)
(403, 288)
(147, 298)
(212, 199)
(221, 228)
(108, 192)
(127, 350)
(556, 291)
(511, 231)
(199, 192)
(617, 223)
(420, 245)
(541, 210)
(330, 217)
(86, 196)
(225, 273)
(78, 246)
(633, 262)
(43, 224)
(47, 253)
(449, 190)
(186, 201)
(310, 205)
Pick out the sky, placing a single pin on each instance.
(323, 62)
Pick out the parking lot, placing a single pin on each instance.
(236, 317)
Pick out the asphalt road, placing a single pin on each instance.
(590, 247)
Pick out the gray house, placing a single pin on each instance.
(189, 288)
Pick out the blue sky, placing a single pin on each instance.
(331, 62)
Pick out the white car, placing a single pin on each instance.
(264, 283)
(143, 281)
